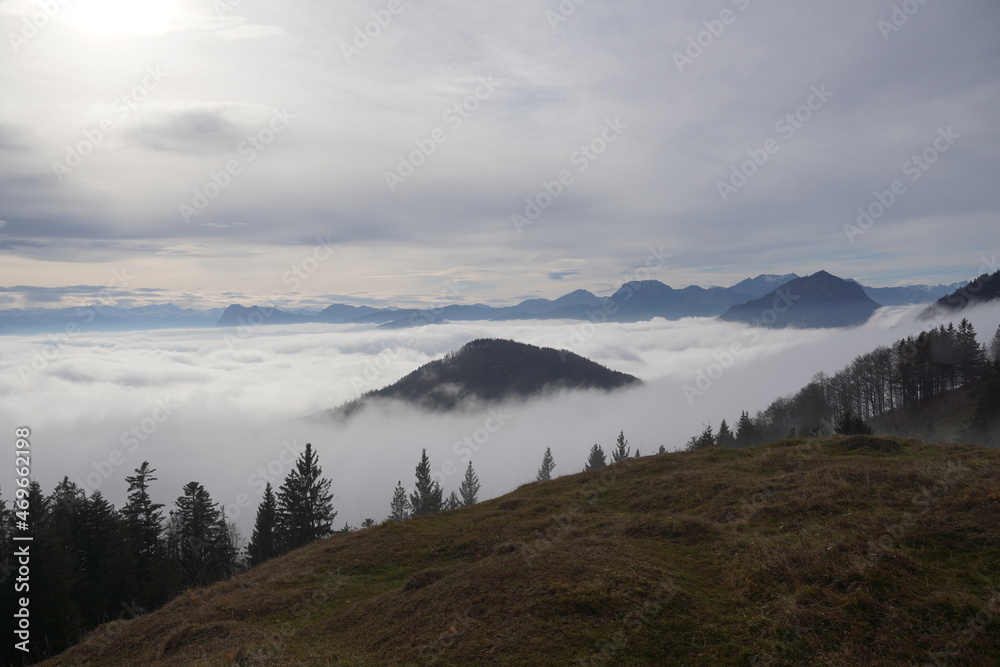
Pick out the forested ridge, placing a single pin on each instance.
(899, 381)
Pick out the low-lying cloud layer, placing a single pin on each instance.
(229, 408)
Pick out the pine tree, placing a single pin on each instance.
(596, 459)
(203, 540)
(143, 518)
(427, 497)
(399, 507)
(746, 431)
(469, 488)
(548, 465)
(971, 356)
(263, 542)
(704, 441)
(621, 449)
(994, 349)
(305, 503)
(725, 437)
(453, 502)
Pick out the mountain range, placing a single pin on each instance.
(633, 301)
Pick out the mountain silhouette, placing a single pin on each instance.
(493, 370)
(818, 301)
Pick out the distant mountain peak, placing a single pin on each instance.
(493, 370)
(820, 300)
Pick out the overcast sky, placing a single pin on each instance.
(114, 116)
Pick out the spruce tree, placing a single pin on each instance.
(305, 503)
(971, 357)
(621, 449)
(746, 431)
(548, 465)
(203, 540)
(725, 437)
(143, 518)
(469, 488)
(994, 348)
(704, 441)
(453, 502)
(427, 497)
(596, 459)
(399, 507)
(263, 542)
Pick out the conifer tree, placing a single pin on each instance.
(746, 431)
(453, 502)
(305, 503)
(621, 449)
(662, 450)
(704, 441)
(203, 540)
(548, 465)
(427, 497)
(597, 459)
(725, 437)
(399, 507)
(994, 347)
(469, 488)
(143, 518)
(263, 542)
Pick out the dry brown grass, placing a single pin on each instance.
(836, 551)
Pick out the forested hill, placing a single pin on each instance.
(494, 370)
(941, 384)
(981, 290)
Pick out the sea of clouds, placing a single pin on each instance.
(232, 408)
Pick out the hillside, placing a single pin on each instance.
(494, 370)
(819, 300)
(836, 550)
(983, 289)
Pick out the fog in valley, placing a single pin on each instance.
(231, 408)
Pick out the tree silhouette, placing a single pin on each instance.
(399, 507)
(426, 499)
(621, 451)
(548, 465)
(596, 459)
(305, 503)
(725, 437)
(469, 488)
(263, 541)
(851, 424)
(202, 538)
(746, 431)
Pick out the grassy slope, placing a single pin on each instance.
(827, 551)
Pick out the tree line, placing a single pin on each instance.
(91, 563)
(882, 389)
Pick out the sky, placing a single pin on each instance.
(232, 412)
(215, 151)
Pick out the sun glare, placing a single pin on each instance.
(122, 17)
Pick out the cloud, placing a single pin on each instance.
(251, 31)
(214, 406)
(355, 120)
